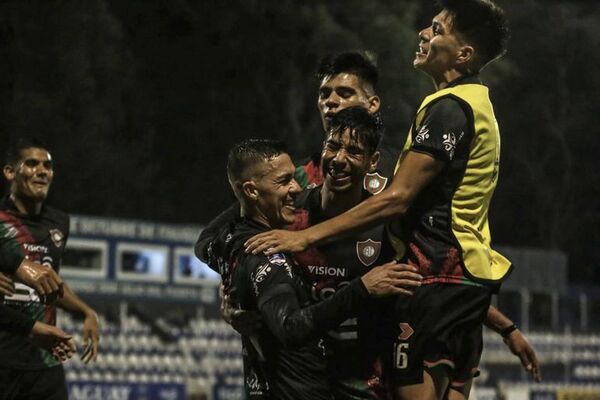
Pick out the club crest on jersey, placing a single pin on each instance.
(368, 251)
(57, 237)
(374, 183)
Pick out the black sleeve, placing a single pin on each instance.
(11, 255)
(211, 232)
(281, 310)
(444, 131)
(14, 321)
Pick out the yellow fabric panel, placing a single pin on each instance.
(471, 201)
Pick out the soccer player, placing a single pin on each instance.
(284, 360)
(436, 207)
(35, 233)
(355, 347)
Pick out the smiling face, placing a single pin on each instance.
(274, 189)
(345, 162)
(341, 91)
(31, 176)
(440, 48)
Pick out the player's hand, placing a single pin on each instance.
(520, 347)
(245, 322)
(53, 339)
(7, 286)
(390, 279)
(91, 337)
(277, 241)
(42, 278)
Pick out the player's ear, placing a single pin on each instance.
(374, 161)
(374, 104)
(465, 55)
(9, 172)
(250, 190)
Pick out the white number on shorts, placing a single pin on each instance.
(400, 355)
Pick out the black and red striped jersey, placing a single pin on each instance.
(40, 238)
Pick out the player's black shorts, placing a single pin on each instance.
(440, 325)
(42, 384)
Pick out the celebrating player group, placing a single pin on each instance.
(368, 272)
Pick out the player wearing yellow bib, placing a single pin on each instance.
(436, 208)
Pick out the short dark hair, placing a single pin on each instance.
(244, 155)
(364, 127)
(16, 147)
(361, 64)
(482, 23)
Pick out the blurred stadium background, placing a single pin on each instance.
(139, 102)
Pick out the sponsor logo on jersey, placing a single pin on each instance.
(35, 248)
(374, 183)
(449, 142)
(320, 292)
(368, 251)
(280, 261)
(326, 271)
(23, 294)
(262, 272)
(57, 237)
(406, 331)
(277, 259)
(254, 384)
(422, 135)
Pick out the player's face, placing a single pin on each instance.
(344, 162)
(439, 46)
(342, 91)
(277, 190)
(32, 176)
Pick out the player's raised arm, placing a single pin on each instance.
(416, 170)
